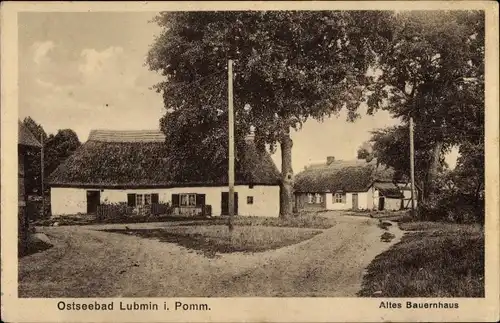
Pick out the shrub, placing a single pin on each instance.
(113, 210)
(454, 207)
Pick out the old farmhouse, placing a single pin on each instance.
(349, 185)
(134, 167)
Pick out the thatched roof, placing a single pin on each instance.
(123, 159)
(340, 175)
(388, 190)
(25, 137)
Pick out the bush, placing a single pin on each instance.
(456, 207)
(109, 211)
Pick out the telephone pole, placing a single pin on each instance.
(42, 176)
(231, 144)
(412, 168)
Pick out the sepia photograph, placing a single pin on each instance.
(228, 153)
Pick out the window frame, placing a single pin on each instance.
(145, 199)
(187, 199)
(339, 198)
(250, 200)
(139, 198)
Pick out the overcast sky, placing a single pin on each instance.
(86, 71)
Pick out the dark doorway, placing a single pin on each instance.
(225, 203)
(93, 200)
(381, 201)
(355, 201)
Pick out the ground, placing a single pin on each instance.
(85, 262)
(432, 260)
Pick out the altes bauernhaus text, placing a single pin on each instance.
(418, 305)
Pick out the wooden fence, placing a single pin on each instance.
(113, 211)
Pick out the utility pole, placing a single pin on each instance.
(231, 144)
(42, 176)
(412, 168)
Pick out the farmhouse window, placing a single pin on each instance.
(310, 198)
(319, 198)
(339, 198)
(131, 200)
(147, 199)
(187, 199)
(138, 200)
(249, 199)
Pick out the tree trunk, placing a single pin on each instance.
(433, 170)
(286, 189)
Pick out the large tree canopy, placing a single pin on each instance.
(289, 66)
(431, 69)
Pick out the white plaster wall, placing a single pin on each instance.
(362, 201)
(369, 198)
(375, 199)
(65, 201)
(392, 204)
(265, 198)
(266, 201)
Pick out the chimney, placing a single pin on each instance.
(330, 159)
(251, 135)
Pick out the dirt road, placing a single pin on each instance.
(89, 263)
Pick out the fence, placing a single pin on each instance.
(122, 210)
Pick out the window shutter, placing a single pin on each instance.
(131, 200)
(154, 198)
(200, 200)
(175, 200)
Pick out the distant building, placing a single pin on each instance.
(349, 185)
(25, 141)
(134, 167)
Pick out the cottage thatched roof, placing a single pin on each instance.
(140, 159)
(25, 137)
(341, 175)
(389, 190)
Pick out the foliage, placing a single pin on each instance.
(289, 67)
(111, 211)
(311, 221)
(431, 69)
(56, 149)
(365, 151)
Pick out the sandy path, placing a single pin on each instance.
(89, 263)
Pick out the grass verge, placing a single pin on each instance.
(311, 221)
(213, 239)
(435, 260)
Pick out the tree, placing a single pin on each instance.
(365, 151)
(391, 147)
(56, 149)
(289, 67)
(59, 147)
(431, 69)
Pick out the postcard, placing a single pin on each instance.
(250, 161)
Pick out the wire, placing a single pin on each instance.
(184, 85)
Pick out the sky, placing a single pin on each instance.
(86, 71)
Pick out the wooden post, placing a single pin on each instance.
(412, 168)
(231, 144)
(42, 176)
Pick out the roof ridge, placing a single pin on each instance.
(132, 135)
